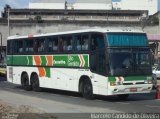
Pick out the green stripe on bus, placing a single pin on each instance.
(30, 60)
(48, 72)
(43, 60)
(17, 60)
(58, 60)
(86, 61)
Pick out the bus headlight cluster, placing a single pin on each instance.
(112, 83)
(148, 81)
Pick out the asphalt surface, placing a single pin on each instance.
(55, 101)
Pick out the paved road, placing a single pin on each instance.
(54, 101)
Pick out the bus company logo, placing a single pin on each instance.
(70, 58)
(72, 61)
(59, 62)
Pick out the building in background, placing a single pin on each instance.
(47, 4)
(91, 5)
(153, 6)
(76, 4)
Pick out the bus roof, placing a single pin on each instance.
(78, 31)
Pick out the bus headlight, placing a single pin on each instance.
(148, 81)
(112, 83)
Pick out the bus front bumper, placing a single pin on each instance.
(129, 89)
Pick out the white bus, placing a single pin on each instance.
(92, 61)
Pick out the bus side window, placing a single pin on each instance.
(9, 47)
(39, 45)
(85, 40)
(15, 46)
(67, 43)
(81, 42)
(53, 44)
(18, 46)
(78, 43)
(28, 43)
(97, 42)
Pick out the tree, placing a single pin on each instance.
(155, 20)
(38, 19)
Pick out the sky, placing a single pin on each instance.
(20, 3)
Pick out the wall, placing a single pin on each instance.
(151, 5)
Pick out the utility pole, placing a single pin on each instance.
(1, 47)
(8, 9)
(1, 39)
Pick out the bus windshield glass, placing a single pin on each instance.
(131, 61)
(127, 39)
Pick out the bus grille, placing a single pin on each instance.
(132, 83)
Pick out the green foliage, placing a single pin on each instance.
(38, 19)
(155, 20)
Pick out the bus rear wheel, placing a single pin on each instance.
(87, 90)
(35, 83)
(25, 82)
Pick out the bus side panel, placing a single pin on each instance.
(50, 81)
(10, 74)
(100, 84)
(17, 75)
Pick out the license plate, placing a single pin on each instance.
(133, 89)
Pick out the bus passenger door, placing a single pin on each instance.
(98, 64)
(10, 61)
(98, 68)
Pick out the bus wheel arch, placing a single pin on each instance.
(35, 82)
(85, 87)
(25, 81)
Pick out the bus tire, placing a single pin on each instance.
(87, 90)
(123, 96)
(25, 82)
(35, 83)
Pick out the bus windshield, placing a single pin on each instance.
(127, 39)
(129, 61)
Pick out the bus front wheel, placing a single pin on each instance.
(35, 83)
(25, 82)
(87, 90)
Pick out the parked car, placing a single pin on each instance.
(2, 70)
